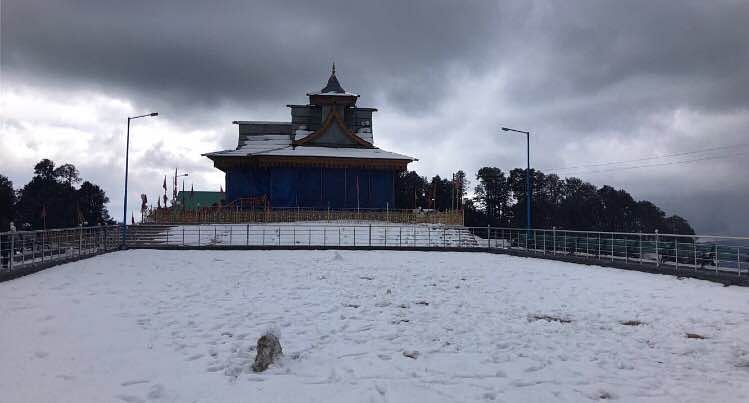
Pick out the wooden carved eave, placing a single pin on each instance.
(334, 117)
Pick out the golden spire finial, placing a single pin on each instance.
(333, 73)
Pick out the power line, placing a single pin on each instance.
(681, 154)
(715, 157)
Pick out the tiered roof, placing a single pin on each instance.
(329, 127)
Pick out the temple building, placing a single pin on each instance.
(324, 157)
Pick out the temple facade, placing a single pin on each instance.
(324, 157)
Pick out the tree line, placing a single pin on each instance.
(499, 199)
(52, 199)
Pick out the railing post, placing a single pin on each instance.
(554, 238)
(489, 236)
(370, 235)
(444, 237)
(198, 234)
(641, 248)
(676, 252)
(694, 246)
(587, 244)
(12, 254)
(247, 235)
(231, 232)
(717, 258)
(544, 232)
(612, 246)
(400, 236)
(309, 236)
(564, 251)
(80, 240)
(293, 239)
(183, 236)
(657, 251)
(738, 260)
(354, 235)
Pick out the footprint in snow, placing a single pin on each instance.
(135, 382)
(156, 391)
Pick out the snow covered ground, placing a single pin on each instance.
(180, 326)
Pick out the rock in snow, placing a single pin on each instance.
(268, 351)
(411, 354)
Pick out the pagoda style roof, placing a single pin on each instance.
(330, 131)
(333, 84)
(333, 88)
(289, 151)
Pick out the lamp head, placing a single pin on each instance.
(155, 114)
(504, 129)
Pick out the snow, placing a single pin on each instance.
(283, 148)
(312, 233)
(174, 326)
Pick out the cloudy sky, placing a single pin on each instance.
(649, 96)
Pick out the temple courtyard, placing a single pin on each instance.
(367, 326)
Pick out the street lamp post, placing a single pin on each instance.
(182, 199)
(127, 161)
(527, 173)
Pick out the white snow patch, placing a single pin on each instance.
(179, 326)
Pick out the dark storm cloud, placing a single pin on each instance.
(198, 53)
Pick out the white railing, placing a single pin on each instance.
(291, 235)
(666, 252)
(25, 249)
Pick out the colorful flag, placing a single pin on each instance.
(144, 203)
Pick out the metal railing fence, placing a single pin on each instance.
(26, 249)
(666, 252)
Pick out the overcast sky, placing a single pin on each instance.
(663, 84)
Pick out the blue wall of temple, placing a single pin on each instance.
(313, 187)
